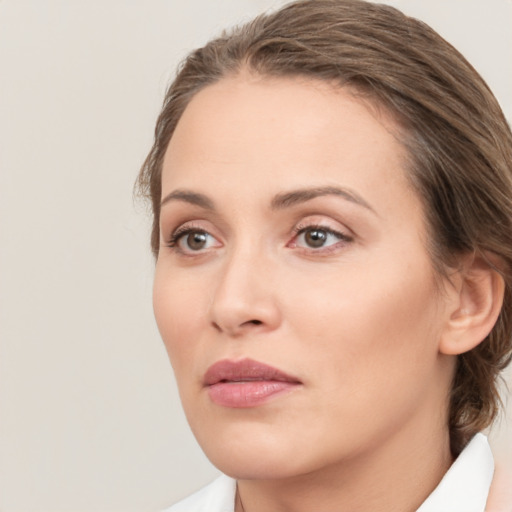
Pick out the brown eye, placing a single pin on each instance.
(315, 237)
(192, 240)
(196, 240)
(319, 237)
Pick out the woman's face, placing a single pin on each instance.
(293, 289)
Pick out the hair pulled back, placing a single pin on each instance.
(458, 142)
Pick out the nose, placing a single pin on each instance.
(245, 301)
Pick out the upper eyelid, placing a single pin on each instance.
(211, 223)
(187, 228)
(305, 221)
(197, 224)
(171, 237)
(321, 227)
(323, 221)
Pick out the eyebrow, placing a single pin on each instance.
(288, 199)
(279, 202)
(188, 196)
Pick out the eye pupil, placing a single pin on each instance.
(315, 237)
(196, 240)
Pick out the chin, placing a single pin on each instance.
(264, 454)
(252, 452)
(256, 465)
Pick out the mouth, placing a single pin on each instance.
(246, 383)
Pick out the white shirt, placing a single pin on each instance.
(464, 487)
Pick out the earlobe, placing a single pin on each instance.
(476, 303)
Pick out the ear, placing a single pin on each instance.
(474, 304)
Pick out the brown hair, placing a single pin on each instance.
(458, 141)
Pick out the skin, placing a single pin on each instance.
(360, 321)
(500, 497)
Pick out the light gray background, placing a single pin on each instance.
(89, 414)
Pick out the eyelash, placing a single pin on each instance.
(182, 231)
(301, 229)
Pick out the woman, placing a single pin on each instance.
(331, 188)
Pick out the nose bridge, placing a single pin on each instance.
(244, 298)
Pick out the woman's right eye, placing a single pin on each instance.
(191, 240)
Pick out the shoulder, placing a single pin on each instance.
(218, 496)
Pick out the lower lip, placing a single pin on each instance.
(249, 393)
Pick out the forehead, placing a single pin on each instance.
(269, 134)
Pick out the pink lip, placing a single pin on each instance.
(246, 383)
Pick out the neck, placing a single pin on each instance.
(396, 476)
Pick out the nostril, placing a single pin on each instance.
(249, 322)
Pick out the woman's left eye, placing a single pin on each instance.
(318, 237)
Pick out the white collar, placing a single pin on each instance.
(464, 488)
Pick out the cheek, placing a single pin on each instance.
(178, 313)
(366, 327)
(371, 356)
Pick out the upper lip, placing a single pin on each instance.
(244, 370)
